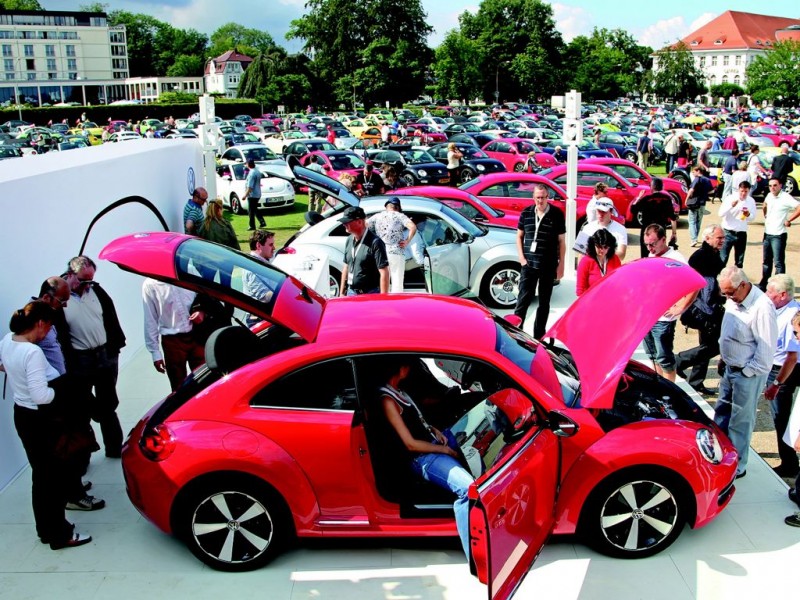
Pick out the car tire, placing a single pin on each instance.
(236, 205)
(409, 179)
(790, 187)
(208, 521)
(613, 527)
(629, 156)
(467, 175)
(519, 167)
(334, 281)
(500, 285)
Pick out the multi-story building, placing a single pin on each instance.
(51, 57)
(724, 47)
(224, 73)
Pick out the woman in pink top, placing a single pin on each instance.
(599, 261)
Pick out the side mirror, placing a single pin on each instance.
(561, 425)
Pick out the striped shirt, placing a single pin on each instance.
(551, 225)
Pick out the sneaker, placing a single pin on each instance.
(77, 539)
(793, 520)
(86, 503)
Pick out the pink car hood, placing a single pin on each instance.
(603, 327)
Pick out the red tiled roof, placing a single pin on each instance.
(738, 30)
(229, 56)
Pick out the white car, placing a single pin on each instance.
(123, 136)
(262, 156)
(437, 123)
(277, 142)
(232, 184)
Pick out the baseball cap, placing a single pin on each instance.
(394, 201)
(604, 205)
(352, 213)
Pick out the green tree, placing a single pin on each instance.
(378, 45)
(186, 65)
(234, 36)
(775, 76)
(177, 98)
(457, 68)
(726, 90)
(607, 64)
(675, 75)
(20, 5)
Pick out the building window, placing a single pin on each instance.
(702, 61)
(70, 49)
(117, 50)
(9, 75)
(119, 63)
(725, 60)
(31, 76)
(52, 76)
(7, 50)
(72, 64)
(724, 79)
(30, 64)
(712, 81)
(737, 80)
(49, 50)
(28, 50)
(8, 64)
(51, 64)
(737, 60)
(72, 76)
(713, 61)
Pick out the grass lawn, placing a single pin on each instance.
(284, 222)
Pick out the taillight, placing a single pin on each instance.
(158, 443)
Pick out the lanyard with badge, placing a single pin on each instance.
(352, 266)
(537, 221)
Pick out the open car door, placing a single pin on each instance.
(512, 512)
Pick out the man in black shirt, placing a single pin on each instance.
(366, 265)
(541, 247)
(368, 182)
(782, 165)
(656, 207)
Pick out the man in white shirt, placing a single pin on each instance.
(780, 209)
(737, 211)
(605, 208)
(659, 341)
(168, 315)
(782, 381)
(747, 345)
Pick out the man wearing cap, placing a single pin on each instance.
(253, 195)
(605, 208)
(366, 266)
(541, 247)
(368, 182)
(193, 211)
(390, 226)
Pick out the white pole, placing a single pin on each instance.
(208, 140)
(573, 136)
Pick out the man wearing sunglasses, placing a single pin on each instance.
(747, 344)
(91, 344)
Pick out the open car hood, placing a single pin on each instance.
(603, 328)
(317, 181)
(197, 265)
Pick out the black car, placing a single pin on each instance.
(414, 166)
(302, 147)
(8, 151)
(474, 162)
(456, 128)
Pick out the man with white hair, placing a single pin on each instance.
(747, 343)
(782, 381)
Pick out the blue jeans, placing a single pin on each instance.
(445, 471)
(736, 240)
(735, 411)
(658, 342)
(774, 250)
(695, 220)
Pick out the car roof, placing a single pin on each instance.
(428, 321)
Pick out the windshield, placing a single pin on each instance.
(518, 347)
(342, 162)
(525, 147)
(472, 152)
(259, 154)
(418, 157)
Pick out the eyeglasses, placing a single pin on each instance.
(733, 293)
(652, 244)
(85, 282)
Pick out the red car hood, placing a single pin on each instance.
(602, 336)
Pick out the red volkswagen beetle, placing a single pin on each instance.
(463, 202)
(636, 174)
(276, 436)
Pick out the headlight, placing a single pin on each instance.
(481, 168)
(423, 173)
(708, 445)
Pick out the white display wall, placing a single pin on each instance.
(49, 203)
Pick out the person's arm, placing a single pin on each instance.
(392, 412)
(727, 206)
(582, 275)
(343, 282)
(786, 369)
(681, 305)
(562, 250)
(189, 227)
(150, 310)
(383, 272)
(36, 379)
(765, 330)
(412, 230)
(795, 214)
(520, 252)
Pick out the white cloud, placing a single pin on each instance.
(668, 31)
(571, 21)
(699, 22)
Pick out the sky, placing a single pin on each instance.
(650, 23)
